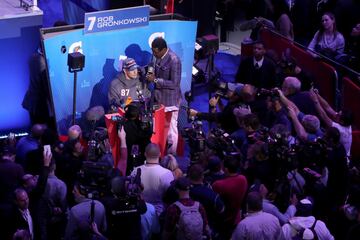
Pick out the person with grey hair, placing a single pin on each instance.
(291, 88)
(307, 127)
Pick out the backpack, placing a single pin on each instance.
(190, 224)
(299, 235)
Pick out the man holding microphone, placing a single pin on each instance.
(166, 78)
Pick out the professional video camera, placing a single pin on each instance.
(96, 147)
(94, 178)
(221, 89)
(129, 199)
(195, 136)
(222, 143)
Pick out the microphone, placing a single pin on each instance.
(139, 93)
(151, 69)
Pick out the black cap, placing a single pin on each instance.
(182, 183)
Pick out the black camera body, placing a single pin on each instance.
(93, 178)
(195, 136)
(222, 143)
(119, 120)
(272, 93)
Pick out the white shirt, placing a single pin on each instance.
(260, 63)
(26, 215)
(345, 136)
(259, 226)
(299, 223)
(156, 180)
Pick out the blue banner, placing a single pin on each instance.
(103, 53)
(116, 19)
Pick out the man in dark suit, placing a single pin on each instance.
(21, 217)
(258, 70)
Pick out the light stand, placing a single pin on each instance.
(76, 63)
(209, 47)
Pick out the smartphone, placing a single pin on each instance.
(11, 136)
(47, 149)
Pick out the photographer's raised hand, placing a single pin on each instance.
(192, 112)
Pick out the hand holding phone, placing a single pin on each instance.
(47, 149)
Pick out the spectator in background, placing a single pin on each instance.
(327, 40)
(305, 222)
(34, 158)
(170, 162)
(257, 224)
(24, 214)
(307, 127)
(150, 226)
(53, 219)
(214, 170)
(21, 234)
(156, 179)
(232, 190)
(291, 88)
(341, 120)
(202, 192)
(11, 175)
(177, 225)
(288, 67)
(283, 23)
(37, 98)
(258, 70)
(29, 142)
(21, 218)
(269, 207)
(354, 48)
(81, 212)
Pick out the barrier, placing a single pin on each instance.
(351, 93)
(159, 136)
(323, 74)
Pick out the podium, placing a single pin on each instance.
(159, 136)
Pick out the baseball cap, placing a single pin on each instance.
(182, 183)
(130, 64)
(304, 207)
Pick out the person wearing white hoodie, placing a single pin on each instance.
(306, 225)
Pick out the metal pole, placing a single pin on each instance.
(74, 99)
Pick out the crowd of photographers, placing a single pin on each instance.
(290, 144)
(277, 166)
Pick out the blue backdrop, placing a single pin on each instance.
(19, 38)
(102, 53)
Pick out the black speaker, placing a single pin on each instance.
(76, 61)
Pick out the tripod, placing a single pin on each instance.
(76, 62)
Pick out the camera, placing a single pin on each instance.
(150, 70)
(195, 136)
(221, 89)
(93, 178)
(273, 93)
(222, 143)
(119, 120)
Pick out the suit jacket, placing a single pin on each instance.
(264, 77)
(17, 221)
(168, 73)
